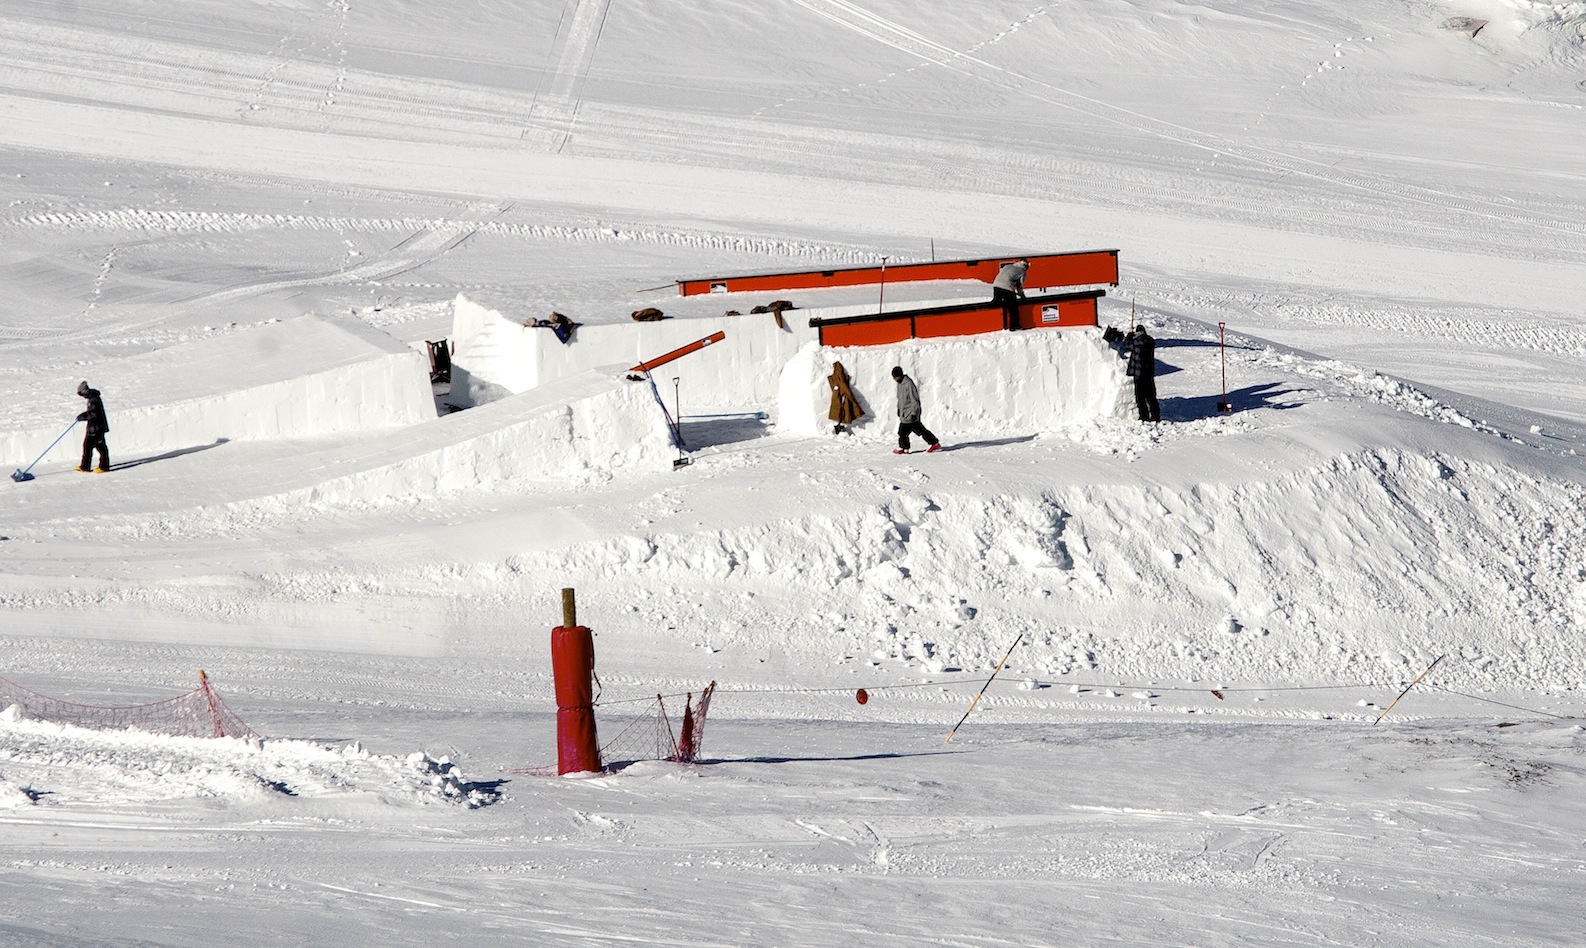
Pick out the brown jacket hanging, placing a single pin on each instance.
(845, 407)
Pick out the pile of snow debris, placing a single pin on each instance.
(61, 765)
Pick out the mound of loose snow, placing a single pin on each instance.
(64, 765)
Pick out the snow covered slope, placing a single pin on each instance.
(1384, 213)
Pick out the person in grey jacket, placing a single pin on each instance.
(98, 425)
(909, 414)
(1008, 289)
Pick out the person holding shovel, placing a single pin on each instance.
(98, 426)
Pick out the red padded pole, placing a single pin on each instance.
(573, 663)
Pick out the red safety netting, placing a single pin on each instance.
(649, 736)
(199, 713)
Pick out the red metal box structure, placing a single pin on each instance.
(1035, 312)
(1047, 271)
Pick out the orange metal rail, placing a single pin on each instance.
(679, 352)
(1047, 271)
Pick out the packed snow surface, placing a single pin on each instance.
(1362, 226)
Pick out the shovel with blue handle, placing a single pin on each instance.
(23, 475)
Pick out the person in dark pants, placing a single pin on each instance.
(1008, 288)
(909, 414)
(1142, 368)
(98, 426)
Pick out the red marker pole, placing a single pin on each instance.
(573, 663)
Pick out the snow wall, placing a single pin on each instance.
(497, 356)
(970, 386)
(1005, 383)
(301, 377)
(589, 425)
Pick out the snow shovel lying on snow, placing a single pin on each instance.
(23, 475)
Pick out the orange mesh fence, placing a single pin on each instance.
(647, 736)
(198, 713)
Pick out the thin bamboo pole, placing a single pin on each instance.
(1407, 688)
(984, 687)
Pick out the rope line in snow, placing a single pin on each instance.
(1217, 691)
(961, 681)
(1500, 704)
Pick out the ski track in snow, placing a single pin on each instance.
(573, 51)
(202, 222)
(398, 102)
(891, 34)
(425, 241)
(99, 280)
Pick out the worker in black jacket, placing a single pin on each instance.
(1142, 368)
(98, 426)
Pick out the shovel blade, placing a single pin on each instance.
(20, 476)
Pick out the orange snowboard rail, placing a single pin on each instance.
(1035, 312)
(1047, 271)
(679, 352)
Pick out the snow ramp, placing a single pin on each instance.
(497, 355)
(587, 426)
